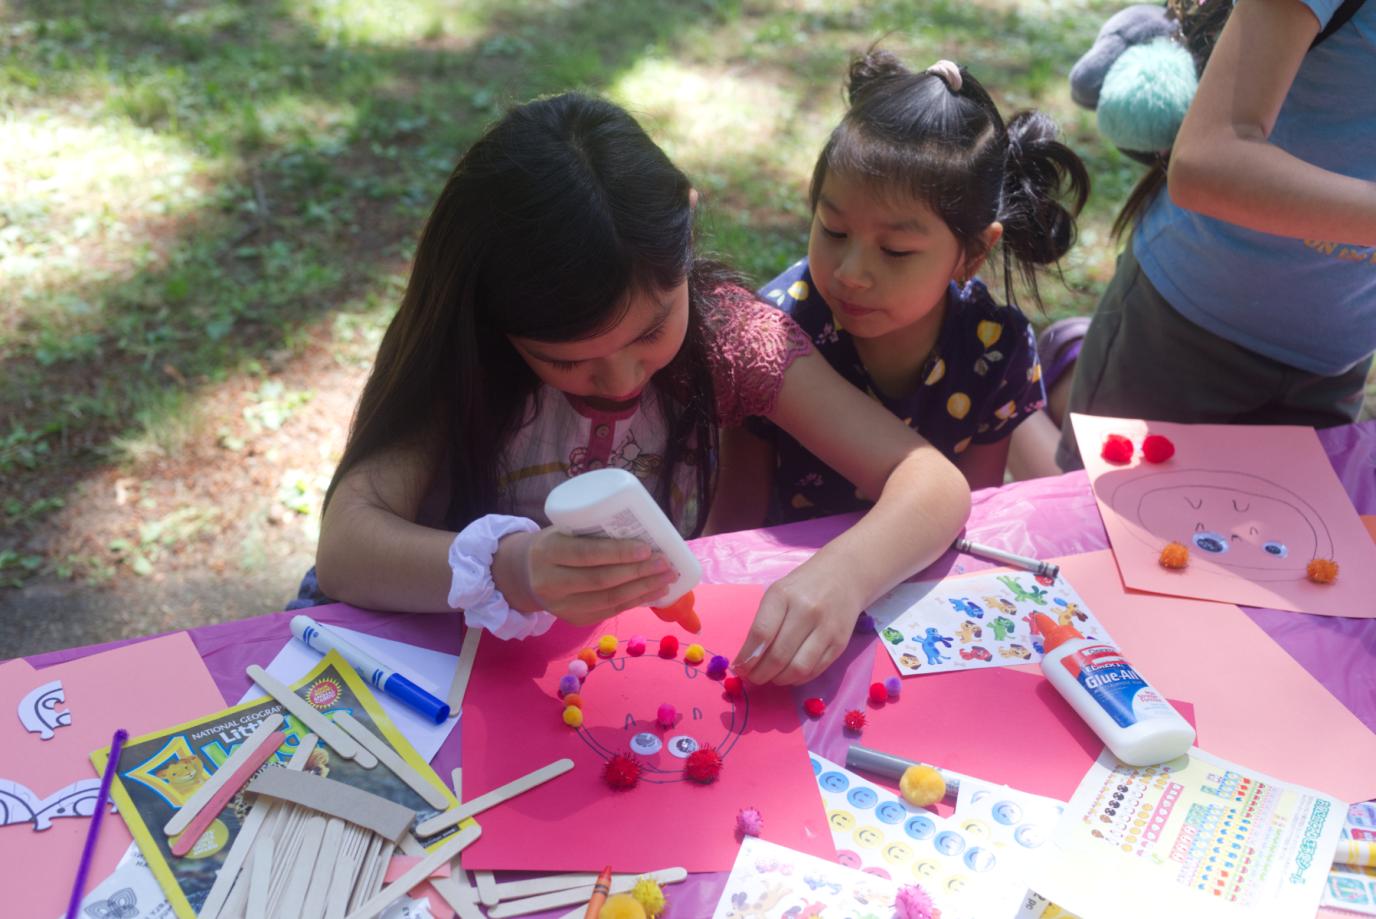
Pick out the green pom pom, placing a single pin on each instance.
(1145, 95)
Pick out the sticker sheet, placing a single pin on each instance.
(1197, 836)
(978, 621)
(1353, 887)
(770, 880)
(958, 860)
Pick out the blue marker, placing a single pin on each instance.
(323, 639)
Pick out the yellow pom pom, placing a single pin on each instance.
(622, 906)
(606, 645)
(649, 895)
(694, 654)
(1322, 571)
(573, 716)
(922, 786)
(1175, 556)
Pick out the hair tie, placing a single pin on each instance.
(948, 71)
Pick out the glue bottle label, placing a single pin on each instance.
(621, 525)
(1111, 682)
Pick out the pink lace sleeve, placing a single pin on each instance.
(750, 345)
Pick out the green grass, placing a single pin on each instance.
(190, 189)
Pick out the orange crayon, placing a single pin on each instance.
(599, 893)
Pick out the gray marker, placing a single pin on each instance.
(864, 759)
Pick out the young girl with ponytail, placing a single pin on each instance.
(920, 183)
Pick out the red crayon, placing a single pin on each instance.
(599, 893)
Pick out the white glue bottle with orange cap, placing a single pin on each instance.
(1133, 720)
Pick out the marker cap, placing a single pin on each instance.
(420, 700)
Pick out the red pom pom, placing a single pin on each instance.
(668, 646)
(878, 693)
(1157, 449)
(734, 686)
(703, 765)
(814, 707)
(622, 771)
(855, 720)
(1117, 449)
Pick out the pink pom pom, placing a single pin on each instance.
(913, 902)
(578, 668)
(636, 646)
(666, 715)
(878, 693)
(749, 822)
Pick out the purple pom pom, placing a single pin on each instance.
(568, 683)
(893, 685)
(716, 667)
(749, 822)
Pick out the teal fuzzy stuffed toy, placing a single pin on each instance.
(1139, 79)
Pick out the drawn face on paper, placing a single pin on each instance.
(630, 690)
(1238, 521)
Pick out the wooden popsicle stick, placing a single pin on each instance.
(494, 797)
(346, 873)
(318, 724)
(257, 818)
(487, 888)
(301, 869)
(403, 770)
(322, 875)
(181, 844)
(188, 811)
(366, 864)
(417, 873)
(579, 894)
(463, 670)
(513, 890)
(455, 889)
(260, 877)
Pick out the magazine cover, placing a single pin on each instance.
(158, 772)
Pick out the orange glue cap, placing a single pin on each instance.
(1053, 633)
(681, 611)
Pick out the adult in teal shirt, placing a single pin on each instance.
(1248, 293)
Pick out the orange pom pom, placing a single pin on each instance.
(1322, 571)
(589, 657)
(1174, 556)
(573, 699)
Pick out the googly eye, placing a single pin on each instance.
(1213, 543)
(645, 744)
(1274, 548)
(681, 746)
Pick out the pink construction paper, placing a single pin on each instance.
(512, 725)
(400, 864)
(1000, 724)
(1253, 703)
(1256, 489)
(139, 687)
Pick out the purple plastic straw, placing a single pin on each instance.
(88, 852)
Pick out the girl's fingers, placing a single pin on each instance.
(768, 619)
(595, 605)
(582, 552)
(781, 651)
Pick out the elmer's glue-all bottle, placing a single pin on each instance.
(612, 503)
(1133, 720)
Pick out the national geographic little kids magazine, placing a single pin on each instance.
(158, 772)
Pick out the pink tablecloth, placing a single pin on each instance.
(1040, 518)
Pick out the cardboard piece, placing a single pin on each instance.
(388, 820)
(38, 710)
(514, 692)
(139, 687)
(1254, 504)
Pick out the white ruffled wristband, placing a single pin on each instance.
(472, 588)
